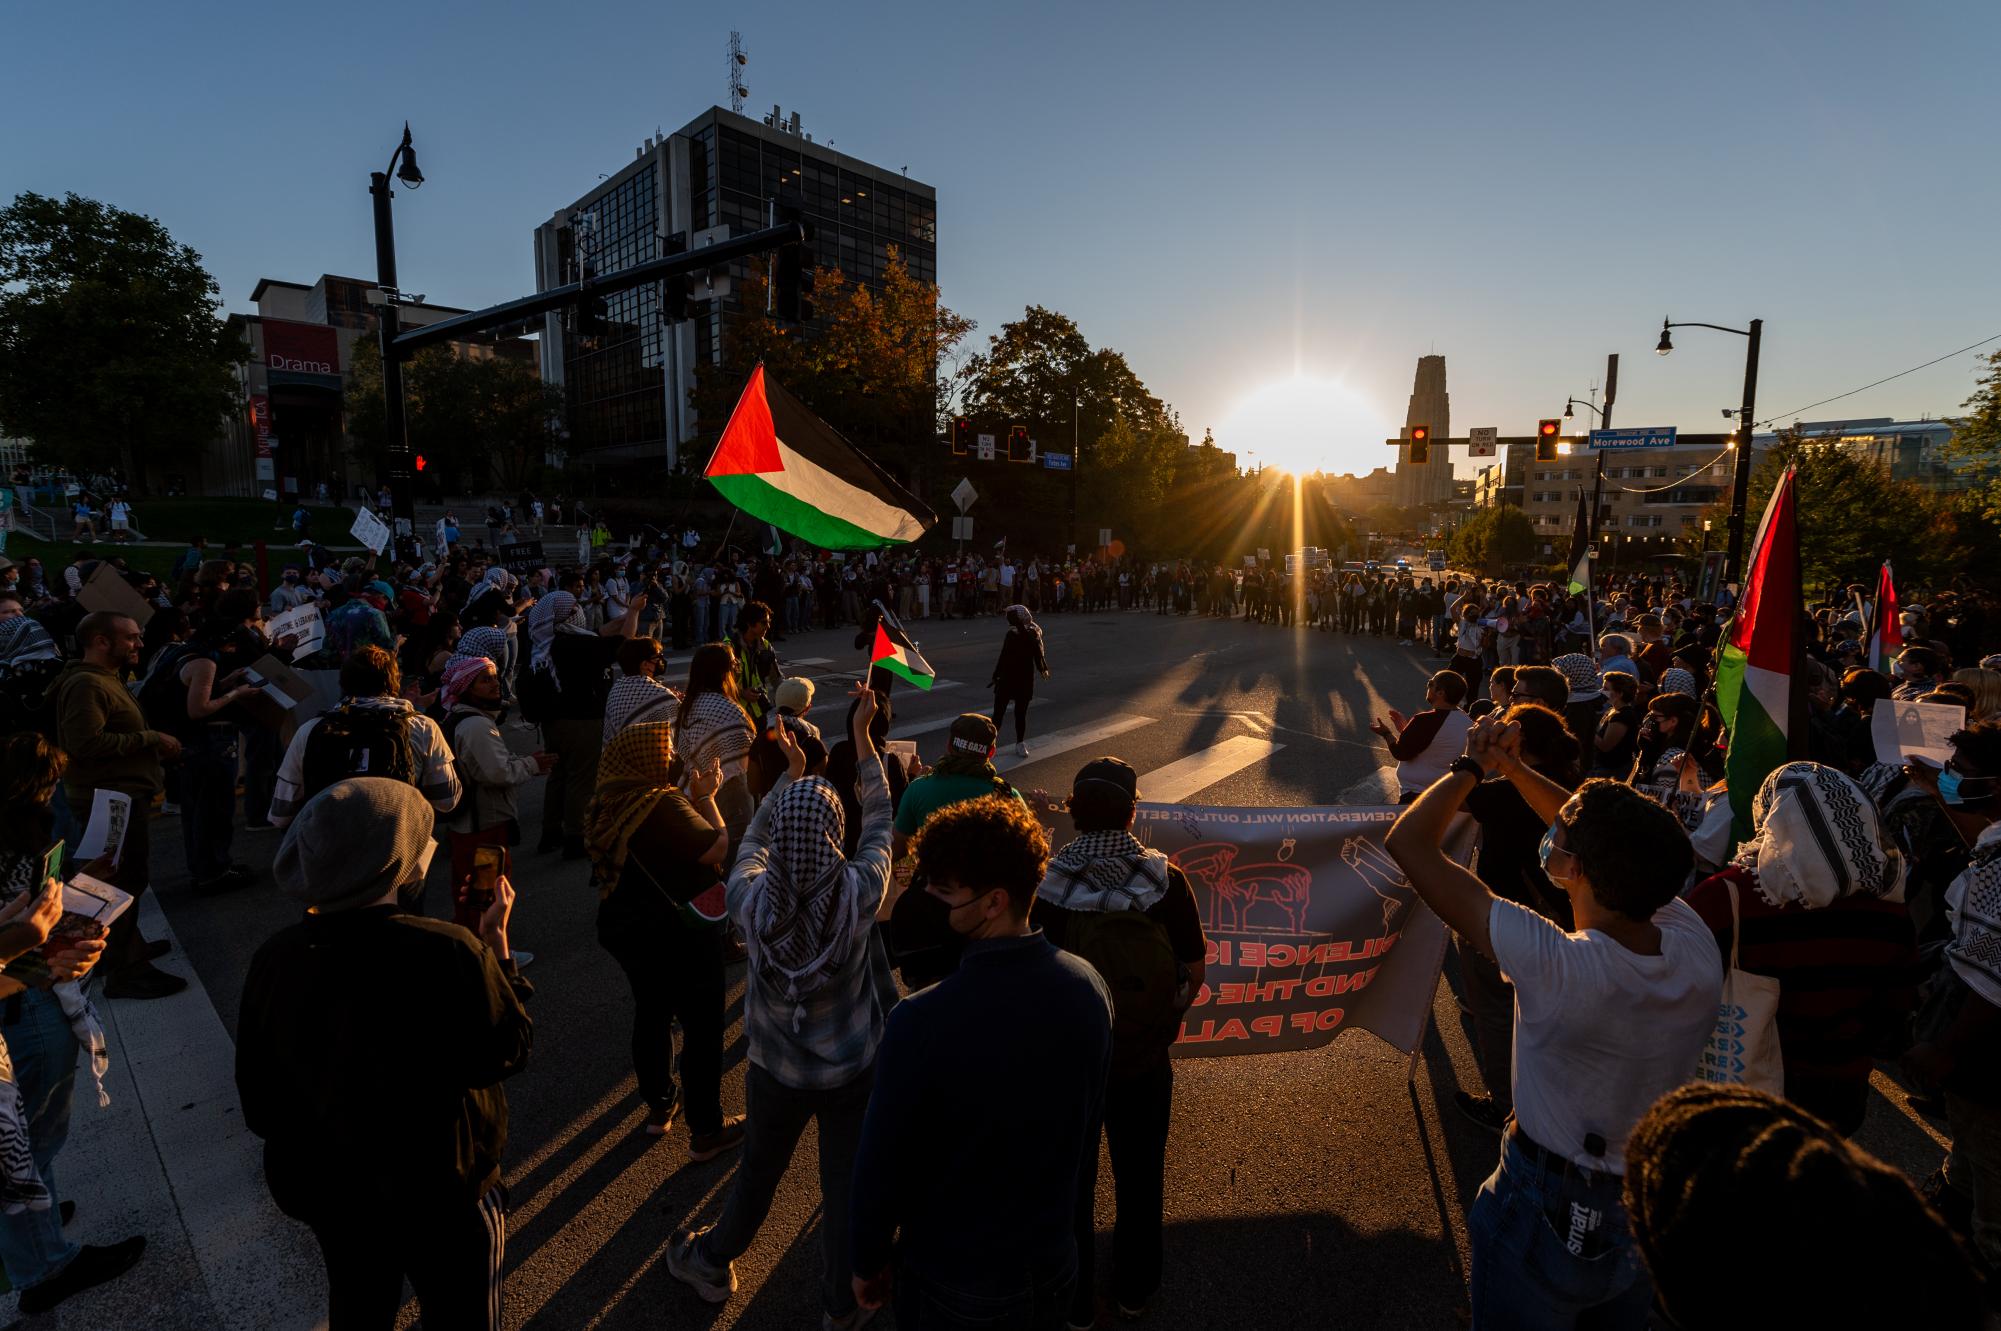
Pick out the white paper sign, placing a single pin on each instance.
(441, 542)
(371, 531)
(1482, 438)
(1905, 730)
(304, 623)
(105, 833)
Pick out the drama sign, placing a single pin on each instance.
(301, 353)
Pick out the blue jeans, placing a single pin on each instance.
(1040, 1304)
(1539, 1262)
(32, 1246)
(725, 618)
(208, 801)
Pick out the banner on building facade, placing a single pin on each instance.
(1312, 927)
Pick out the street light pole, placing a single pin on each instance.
(1740, 488)
(1076, 461)
(396, 438)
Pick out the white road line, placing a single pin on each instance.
(1178, 780)
(805, 661)
(900, 731)
(1076, 737)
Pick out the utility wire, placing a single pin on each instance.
(1773, 420)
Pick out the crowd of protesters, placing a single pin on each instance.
(963, 1030)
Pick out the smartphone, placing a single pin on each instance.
(487, 864)
(52, 863)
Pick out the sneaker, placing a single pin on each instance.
(143, 981)
(1021, 750)
(659, 1121)
(1482, 1110)
(715, 1284)
(708, 1145)
(91, 1266)
(855, 1320)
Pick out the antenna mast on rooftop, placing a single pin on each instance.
(737, 61)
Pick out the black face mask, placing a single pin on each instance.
(923, 943)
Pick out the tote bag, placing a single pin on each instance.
(1743, 1047)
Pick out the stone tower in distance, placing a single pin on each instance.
(1430, 482)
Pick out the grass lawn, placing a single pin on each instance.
(240, 520)
(158, 560)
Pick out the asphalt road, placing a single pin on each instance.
(1301, 1188)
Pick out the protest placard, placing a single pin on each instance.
(104, 834)
(303, 622)
(371, 531)
(108, 590)
(1906, 730)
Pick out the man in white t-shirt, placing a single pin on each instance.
(1608, 1018)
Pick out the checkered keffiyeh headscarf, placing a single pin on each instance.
(632, 779)
(1676, 680)
(1582, 672)
(490, 643)
(802, 923)
(460, 672)
(1818, 837)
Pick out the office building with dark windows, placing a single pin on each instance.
(627, 374)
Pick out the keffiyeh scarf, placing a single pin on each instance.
(1973, 902)
(490, 643)
(1105, 871)
(1676, 680)
(1582, 672)
(802, 923)
(460, 672)
(715, 731)
(555, 613)
(632, 779)
(23, 640)
(1816, 838)
(637, 700)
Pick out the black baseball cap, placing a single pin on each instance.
(972, 733)
(1110, 771)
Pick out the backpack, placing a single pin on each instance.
(162, 697)
(357, 741)
(1131, 952)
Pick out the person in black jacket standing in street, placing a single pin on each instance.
(370, 1051)
(1021, 660)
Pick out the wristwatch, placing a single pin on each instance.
(1465, 764)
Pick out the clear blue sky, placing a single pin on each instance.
(1223, 192)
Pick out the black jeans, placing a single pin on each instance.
(675, 970)
(1136, 1115)
(1001, 701)
(208, 800)
(778, 1115)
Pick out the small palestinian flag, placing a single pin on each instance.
(1886, 630)
(782, 464)
(896, 653)
(1755, 680)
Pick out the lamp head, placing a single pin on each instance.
(1568, 410)
(408, 172)
(1665, 345)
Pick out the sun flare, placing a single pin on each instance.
(1306, 424)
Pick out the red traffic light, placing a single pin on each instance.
(1419, 433)
(1548, 429)
(420, 462)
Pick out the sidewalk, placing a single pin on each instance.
(171, 1159)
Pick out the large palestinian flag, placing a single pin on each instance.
(1754, 679)
(782, 464)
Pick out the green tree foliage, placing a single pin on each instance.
(479, 421)
(1494, 540)
(1976, 440)
(1853, 515)
(112, 345)
(868, 366)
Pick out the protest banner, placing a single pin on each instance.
(1312, 928)
(371, 531)
(1906, 730)
(302, 622)
(522, 557)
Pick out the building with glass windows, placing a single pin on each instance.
(628, 375)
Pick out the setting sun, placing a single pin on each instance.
(1305, 424)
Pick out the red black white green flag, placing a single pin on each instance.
(1886, 628)
(896, 653)
(780, 463)
(1755, 678)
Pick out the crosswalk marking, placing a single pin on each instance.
(1178, 780)
(900, 731)
(1063, 741)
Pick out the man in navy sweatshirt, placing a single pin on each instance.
(989, 1090)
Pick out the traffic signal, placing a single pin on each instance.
(1546, 432)
(1420, 444)
(420, 462)
(962, 437)
(591, 312)
(792, 272)
(676, 293)
(1018, 447)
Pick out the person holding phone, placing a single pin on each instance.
(487, 817)
(44, 1025)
